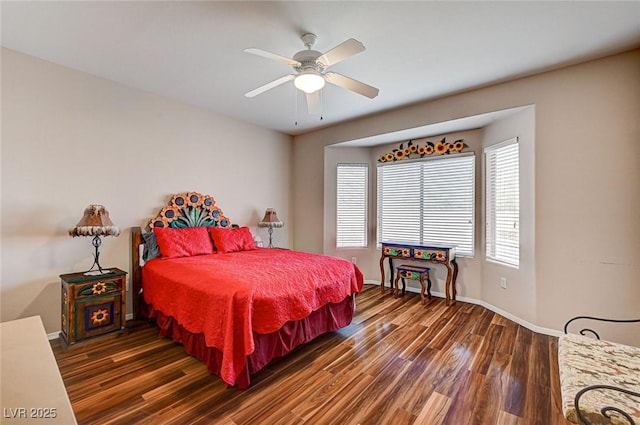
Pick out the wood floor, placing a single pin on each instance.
(399, 362)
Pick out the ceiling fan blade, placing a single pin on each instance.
(351, 84)
(314, 106)
(272, 56)
(270, 85)
(341, 52)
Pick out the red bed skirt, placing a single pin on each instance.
(328, 318)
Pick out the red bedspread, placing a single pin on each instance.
(227, 297)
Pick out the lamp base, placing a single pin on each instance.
(96, 242)
(270, 237)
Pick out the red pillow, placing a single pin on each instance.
(183, 242)
(232, 240)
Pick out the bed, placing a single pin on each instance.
(231, 304)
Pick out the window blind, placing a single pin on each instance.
(502, 204)
(428, 201)
(351, 214)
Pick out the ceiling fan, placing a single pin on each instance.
(311, 75)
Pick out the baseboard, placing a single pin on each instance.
(56, 335)
(506, 314)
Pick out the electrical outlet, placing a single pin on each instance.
(354, 260)
(503, 282)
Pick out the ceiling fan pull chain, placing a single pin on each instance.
(295, 103)
(321, 104)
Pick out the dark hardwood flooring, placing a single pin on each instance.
(399, 362)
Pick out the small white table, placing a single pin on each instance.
(32, 388)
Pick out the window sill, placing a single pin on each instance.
(501, 263)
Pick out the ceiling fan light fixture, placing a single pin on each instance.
(309, 81)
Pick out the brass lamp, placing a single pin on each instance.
(270, 221)
(95, 222)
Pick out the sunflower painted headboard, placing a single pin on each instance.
(191, 209)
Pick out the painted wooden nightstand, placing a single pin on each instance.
(92, 305)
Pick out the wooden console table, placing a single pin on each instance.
(437, 254)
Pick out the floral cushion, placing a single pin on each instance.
(585, 361)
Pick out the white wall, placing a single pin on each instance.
(587, 181)
(588, 192)
(70, 139)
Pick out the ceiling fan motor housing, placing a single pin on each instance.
(309, 61)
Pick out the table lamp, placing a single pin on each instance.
(95, 222)
(270, 221)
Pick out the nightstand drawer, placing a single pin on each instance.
(396, 251)
(99, 287)
(433, 254)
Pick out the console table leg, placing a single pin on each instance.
(382, 275)
(454, 279)
(448, 284)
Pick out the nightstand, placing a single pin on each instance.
(92, 305)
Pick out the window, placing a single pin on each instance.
(428, 201)
(502, 191)
(351, 228)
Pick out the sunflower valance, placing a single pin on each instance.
(421, 149)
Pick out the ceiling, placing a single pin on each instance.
(193, 51)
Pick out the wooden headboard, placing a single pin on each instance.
(190, 209)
